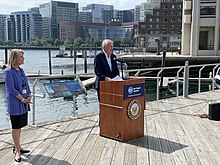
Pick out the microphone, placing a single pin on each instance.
(115, 59)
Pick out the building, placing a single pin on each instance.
(69, 30)
(97, 11)
(137, 13)
(128, 15)
(97, 31)
(3, 27)
(85, 16)
(164, 24)
(53, 13)
(23, 26)
(147, 8)
(201, 25)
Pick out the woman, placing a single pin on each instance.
(18, 97)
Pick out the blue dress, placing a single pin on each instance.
(16, 83)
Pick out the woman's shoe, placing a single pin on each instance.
(18, 159)
(22, 151)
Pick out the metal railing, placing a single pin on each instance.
(36, 82)
(186, 77)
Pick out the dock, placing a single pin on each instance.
(177, 132)
(146, 59)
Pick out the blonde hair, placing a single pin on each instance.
(13, 56)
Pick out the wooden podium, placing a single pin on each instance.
(122, 105)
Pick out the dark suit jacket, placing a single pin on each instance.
(103, 70)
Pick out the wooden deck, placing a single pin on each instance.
(174, 135)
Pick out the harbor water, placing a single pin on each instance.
(37, 61)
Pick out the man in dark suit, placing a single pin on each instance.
(105, 64)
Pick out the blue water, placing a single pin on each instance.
(52, 109)
(47, 109)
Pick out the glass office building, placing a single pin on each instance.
(53, 13)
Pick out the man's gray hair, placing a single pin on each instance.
(105, 42)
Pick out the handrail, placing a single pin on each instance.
(36, 82)
(200, 71)
(161, 69)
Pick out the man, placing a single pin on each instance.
(105, 64)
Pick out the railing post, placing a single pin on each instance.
(33, 107)
(158, 74)
(213, 76)
(177, 84)
(186, 80)
(34, 95)
(200, 71)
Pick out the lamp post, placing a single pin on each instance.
(158, 45)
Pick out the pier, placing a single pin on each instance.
(176, 132)
(146, 59)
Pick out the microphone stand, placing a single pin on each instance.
(121, 69)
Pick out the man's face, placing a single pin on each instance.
(109, 48)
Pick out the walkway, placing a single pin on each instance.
(175, 134)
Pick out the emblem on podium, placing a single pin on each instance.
(134, 109)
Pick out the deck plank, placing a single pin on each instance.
(173, 134)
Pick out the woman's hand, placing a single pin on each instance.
(28, 100)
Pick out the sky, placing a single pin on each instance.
(8, 6)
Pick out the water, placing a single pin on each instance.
(47, 109)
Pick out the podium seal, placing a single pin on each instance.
(134, 109)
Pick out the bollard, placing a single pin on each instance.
(186, 80)
(74, 61)
(50, 68)
(6, 55)
(85, 61)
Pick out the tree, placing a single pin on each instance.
(117, 42)
(98, 43)
(67, 42)
(57, 42)
(125, 42)
(1, 42)
(9, 43)
(78, 41)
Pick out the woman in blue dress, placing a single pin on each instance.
(18, 97)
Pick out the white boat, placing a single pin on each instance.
(62, 52)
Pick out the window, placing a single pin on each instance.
(165, 13)
(172, 25)
(164, 25)
(172, 19)
(207, 11)
(173, 12)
